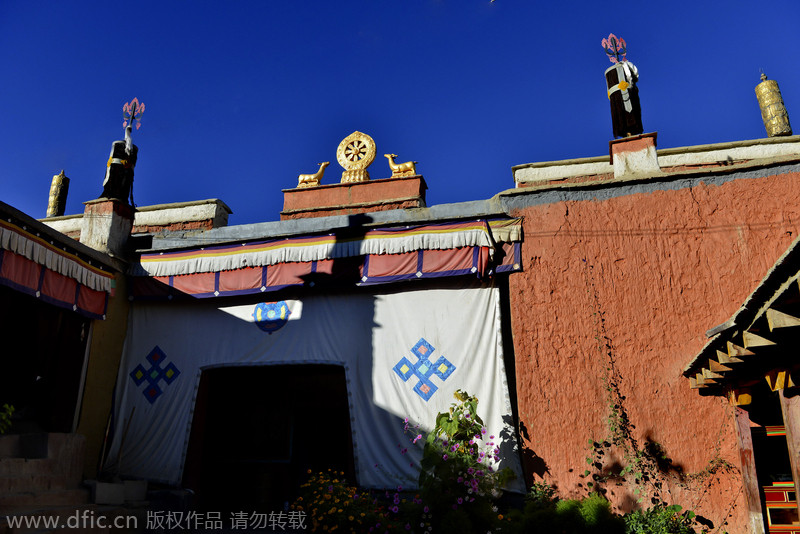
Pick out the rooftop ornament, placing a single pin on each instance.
(621, 78)
(132, 112)
(356, 152)
(773, 111)
(118, 183)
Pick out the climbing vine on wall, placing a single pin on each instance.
(644, 466)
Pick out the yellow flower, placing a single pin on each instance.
(350, 517)
(500, 517)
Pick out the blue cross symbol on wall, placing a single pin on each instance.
(168, 374)
(424, 369)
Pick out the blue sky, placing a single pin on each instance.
(242, 96)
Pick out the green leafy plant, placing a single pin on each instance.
(541, 494)
(660, 520)
(5, 417)
(579, 516)
(458, 478)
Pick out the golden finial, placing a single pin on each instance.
(356, 152)
(408, 168)
(312, 180)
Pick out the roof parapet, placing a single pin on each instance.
(670, 160)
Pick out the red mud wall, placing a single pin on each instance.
(640, 279)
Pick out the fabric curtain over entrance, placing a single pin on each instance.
(404, 354)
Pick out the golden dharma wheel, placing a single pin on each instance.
(356, 152)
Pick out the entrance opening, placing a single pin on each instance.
(773, 465)
(257, 430)
(42, 359)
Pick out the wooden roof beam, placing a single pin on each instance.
(725, 359)
(716, 367)
(709, 374)
(735, 351)
(777, 319)
(779, 379)
(751, 340)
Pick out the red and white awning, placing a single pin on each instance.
(381, 255)
(31, 264)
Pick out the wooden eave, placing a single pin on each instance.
(759, 341)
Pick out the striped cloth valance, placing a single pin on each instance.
(348, 243)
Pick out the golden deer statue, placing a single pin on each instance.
(401, 169)
(312, 180)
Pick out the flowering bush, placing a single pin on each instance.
(459, 485)
(332, 505)
(459, 477)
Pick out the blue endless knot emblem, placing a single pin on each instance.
(424, 369)
(152, 376)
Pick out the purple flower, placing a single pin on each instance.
(419, 437)
(466, 415)
(426, 509)
(394, 509)
(444, 457)
(460, 500)
(460, 479)
(491, 437)
(470, 470)
(483, 430)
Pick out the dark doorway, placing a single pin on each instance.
(771, 455)
(42, 358)
(256, 431)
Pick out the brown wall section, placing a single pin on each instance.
(629, 285)
(105, 352)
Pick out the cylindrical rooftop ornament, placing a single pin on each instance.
(118, 183)
(57, 202)
(773, 112)
(621, 78)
